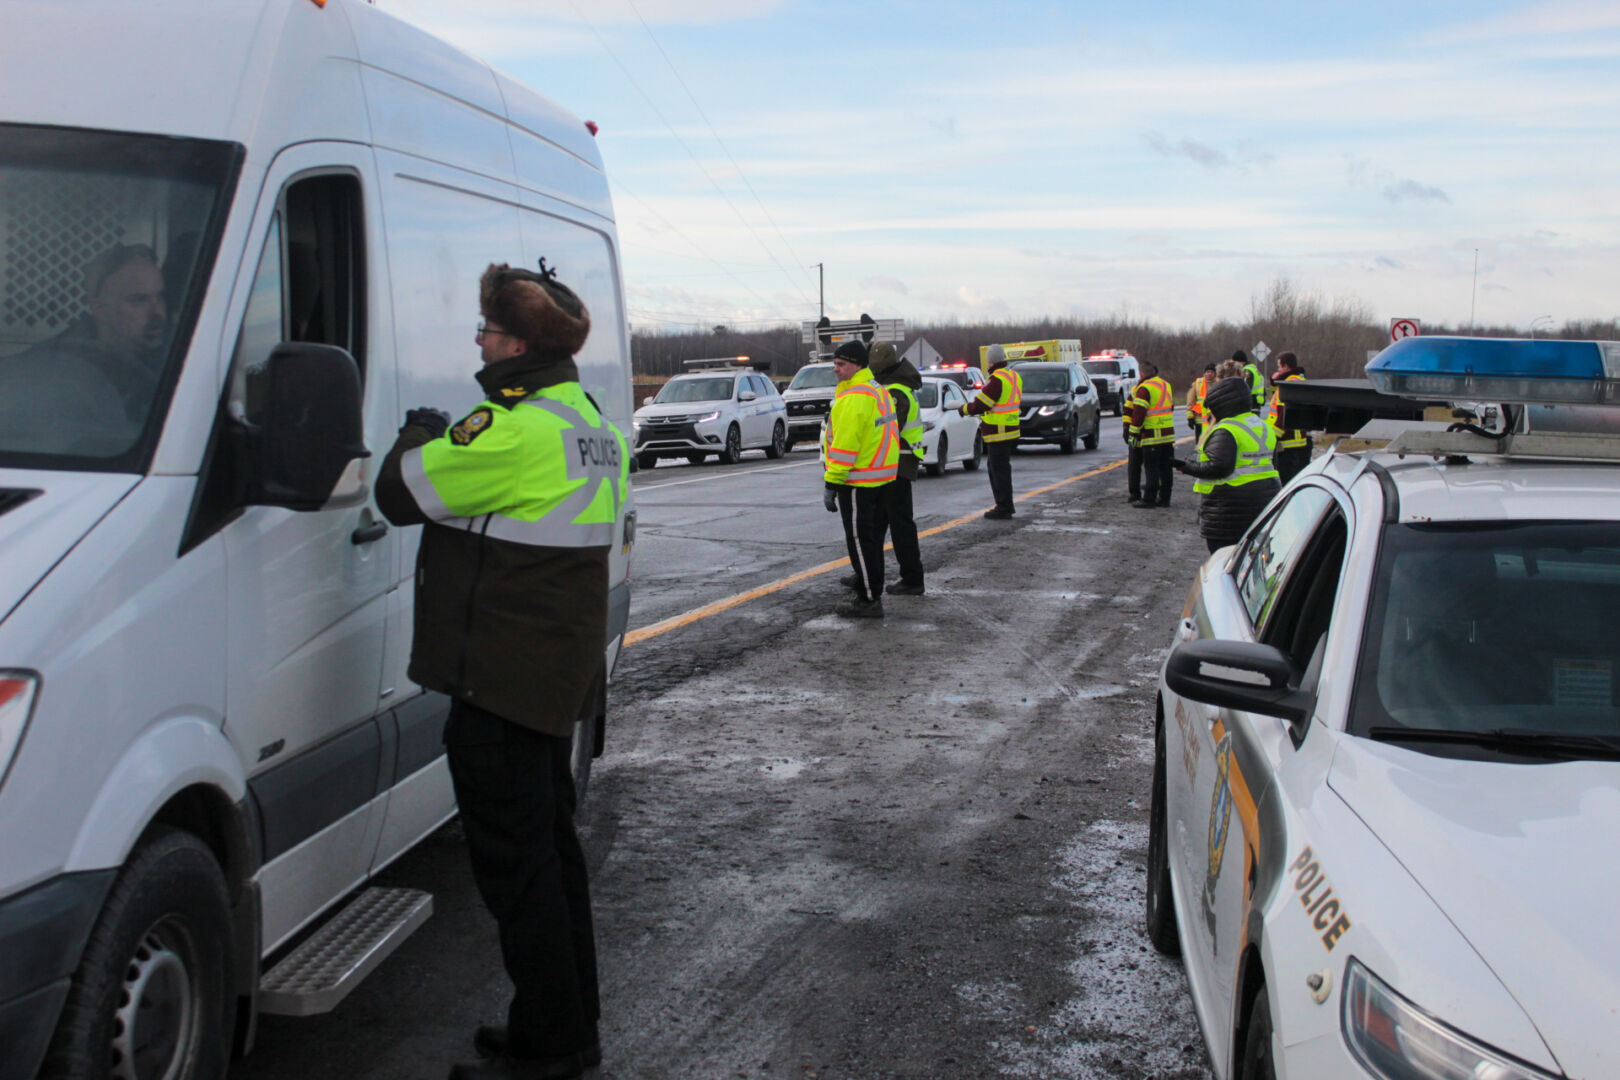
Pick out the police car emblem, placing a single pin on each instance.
(1220, 809)
(476, 423)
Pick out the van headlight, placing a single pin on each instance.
(18, 689)
(1395, 1040)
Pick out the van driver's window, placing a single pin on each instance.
(262, 326)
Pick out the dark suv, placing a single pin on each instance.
(1059, 405)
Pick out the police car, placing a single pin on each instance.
(720, 407)
(1386, 773)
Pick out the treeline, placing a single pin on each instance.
(1331, 337)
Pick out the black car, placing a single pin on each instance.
(1059, 405)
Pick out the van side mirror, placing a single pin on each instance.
(1239, 675)
(305, 427)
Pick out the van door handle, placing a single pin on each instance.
(367, 534)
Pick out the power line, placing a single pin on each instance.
(684, 146)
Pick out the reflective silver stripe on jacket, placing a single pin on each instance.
(547, 532)
(420, 487)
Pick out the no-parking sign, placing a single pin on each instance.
(1402, 328)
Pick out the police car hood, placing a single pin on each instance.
(1520, 858)
(679, 408)
(42, 515)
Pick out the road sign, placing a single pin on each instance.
(1402, 328)
(1260, 352)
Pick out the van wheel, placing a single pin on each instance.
(939, 466)
(646, 461)
(1161, 904)
(152, 996)
(779, 444)
(1257, 1063)
(1096, 431)
(972, 463)
(733, 451)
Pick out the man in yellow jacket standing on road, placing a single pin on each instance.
(863, 455)
(1150, 427)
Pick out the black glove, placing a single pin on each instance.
(829, 497)
(436, 421)
(1178, 464)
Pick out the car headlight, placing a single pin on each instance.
(705, 418)
(1395, 1040)
(929, 425)
(18, 689)
(1050, 410)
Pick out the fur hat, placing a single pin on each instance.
(883, 358)
(536, 307)
(853, 351)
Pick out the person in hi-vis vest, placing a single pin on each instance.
(997, 406)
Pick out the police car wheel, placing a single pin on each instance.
(733, 451)
(972, 463)
(779, 443)
(152, 997)
(1161, 906)
(939, 466)
(1257, 1063)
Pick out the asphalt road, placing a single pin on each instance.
(828, 849)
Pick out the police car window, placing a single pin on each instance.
(1272, 548)
(680, 390)
(1493, 626)
(1303, 610)
(927, 396)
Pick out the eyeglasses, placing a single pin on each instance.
(483, 329)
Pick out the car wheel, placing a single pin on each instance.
(1096, 431)
(939, 466)
(972, 463)
(1161, 906)
(153, 993)
(646, 461)
(1257, 1063)
(787, 446)
(779, 444)
(696, 459)
(733, 451)
(1066, 444)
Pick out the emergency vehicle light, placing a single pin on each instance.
(1499, 369)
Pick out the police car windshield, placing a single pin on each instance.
(928, 396)
(959, 376)
(108, 239)
(1505, 627)
(1101, 367)
(1043, 380)
(707, 389)
(813, 378)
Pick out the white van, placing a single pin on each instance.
(238, 240)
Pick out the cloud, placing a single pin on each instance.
(1537, 20)
(1207, 156)
(1411, 189)
(1387, 263)
(885, 284)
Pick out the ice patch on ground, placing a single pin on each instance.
(1130, 1015)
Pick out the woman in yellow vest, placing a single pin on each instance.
(1150, 429)
(1233, 472)
(863, 454)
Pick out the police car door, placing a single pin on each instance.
(1232, 766)
(306, 590)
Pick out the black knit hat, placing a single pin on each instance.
(853, 351)
(1241, 357)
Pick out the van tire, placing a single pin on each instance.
(1161, 903)
(163, 936)
(779, 444)
(733, 451)
(646, 461)
(939, 466)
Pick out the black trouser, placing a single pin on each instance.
(1290, 460)
(999, 466)
(517, 810)
(1133, 471)
(895, 517)
(1157, 473)
(861, 509)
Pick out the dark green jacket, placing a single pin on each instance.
(518, 628)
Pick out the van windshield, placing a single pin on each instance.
(105, 242)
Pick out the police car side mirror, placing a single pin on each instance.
(1239, 675)
(747, 395)
(306, 429)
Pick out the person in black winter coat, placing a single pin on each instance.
(1226, 512)
(895, 515)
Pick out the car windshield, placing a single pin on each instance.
(1499, 627)
(813, 378)
(1101, 367)
(105, 242)
(678, 390)
(928, 396)
(1044, 381)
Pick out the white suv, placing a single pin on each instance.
(721, 412)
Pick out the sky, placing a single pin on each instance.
(1164, 161)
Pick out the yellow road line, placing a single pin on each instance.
(675, 622)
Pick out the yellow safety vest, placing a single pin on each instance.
(863, 439)
(911, 427)
(571, 476)
(1292, 438)
(1196, 407)
(1159, 425)
(1257, 383)
(1002, 416)
(1256, 442)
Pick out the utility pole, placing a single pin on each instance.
(1474, 292)
(821, 283)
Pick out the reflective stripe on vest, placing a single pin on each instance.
(1290, 439)
(560, 476)
(1257, 383)
(1159, 425)
(1199, 409)
(1256, 442)
(873, 461)
(1003, 414)
(911, 428)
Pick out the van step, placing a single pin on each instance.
(318, 974)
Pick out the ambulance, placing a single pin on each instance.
(237, 242)
(1386, 765)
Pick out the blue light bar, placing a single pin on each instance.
(1512, 370)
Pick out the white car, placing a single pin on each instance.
(718, 411)
(947, 435)
(1386, 778)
